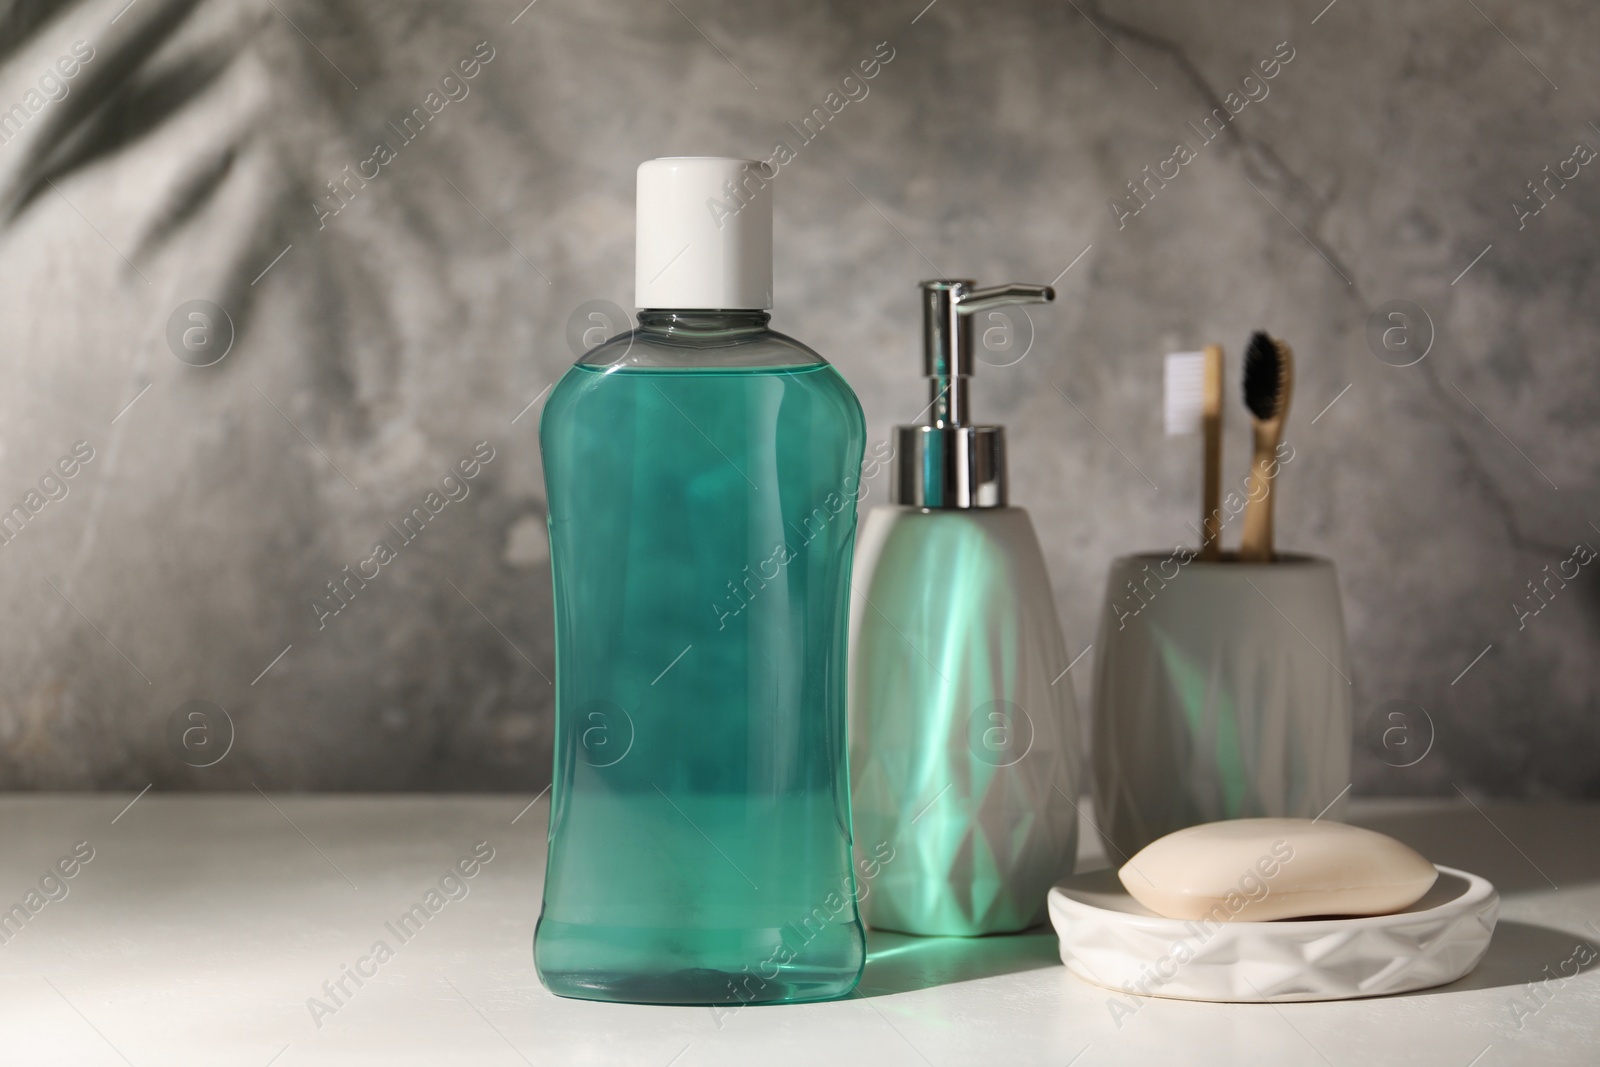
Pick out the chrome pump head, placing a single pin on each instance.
(951, 463)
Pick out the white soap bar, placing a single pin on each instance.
(1255, 870)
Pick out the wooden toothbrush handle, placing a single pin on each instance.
(1255, 543)
(1211, 429)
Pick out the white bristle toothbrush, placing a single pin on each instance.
(1192, 396)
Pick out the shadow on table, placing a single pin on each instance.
(899, 963)
(1524, 849)
(1521, 848)
(1520, 953)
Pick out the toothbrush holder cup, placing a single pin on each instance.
(1221, 691)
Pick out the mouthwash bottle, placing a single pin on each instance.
(701, 473)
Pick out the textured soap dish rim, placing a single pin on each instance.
(1480, 898)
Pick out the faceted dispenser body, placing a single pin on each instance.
(701, 474)
(964, 756)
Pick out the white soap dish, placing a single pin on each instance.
(1112, 940)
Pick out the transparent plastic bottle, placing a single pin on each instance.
(701, 473)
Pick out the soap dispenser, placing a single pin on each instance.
(963, 730)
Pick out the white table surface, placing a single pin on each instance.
(204, 923)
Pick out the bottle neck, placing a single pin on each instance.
(703, 326)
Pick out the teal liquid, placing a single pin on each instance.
(701, 528)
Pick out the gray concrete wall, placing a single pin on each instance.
(374, 347)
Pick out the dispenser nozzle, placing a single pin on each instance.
(1000, 295)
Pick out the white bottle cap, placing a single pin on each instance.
(704, 234)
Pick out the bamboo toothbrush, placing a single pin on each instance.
(1193, 401)
(1268, 385)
